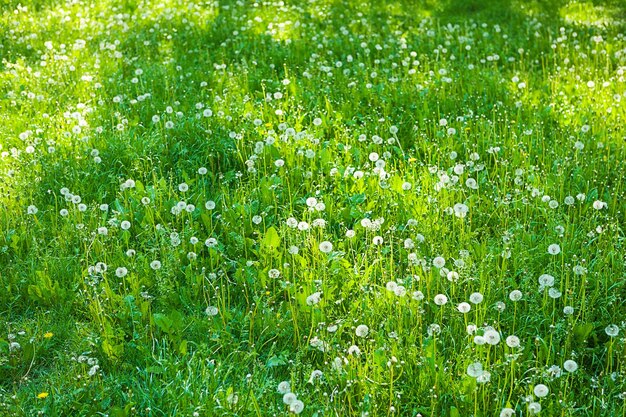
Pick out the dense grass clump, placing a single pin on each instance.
(315, 207)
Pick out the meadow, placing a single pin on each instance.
(312, 207)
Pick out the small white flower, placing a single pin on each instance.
(362, 330)
(546, 280)
(554, 249)
(316, 374)
(433, 329)
(289, 398)
(314, 298)
(326, 247)
(476, 298)
(541, 390)
(400, 291)
(284, 387)
(570, 365)
(534, 408)
(273, 273)
(460, 210)
(440, 299)
(475, 370)
(93, 370)
(512, 341)
(471, 183)
(452, 276)
(464, 308)
(507, 412)
(492, 337)
(439, 262)
(554, 371)
(612, 330)
(554, 293)
(354, 350)
(599, 205)
(484, 377)
(417, 295)
(296, 407)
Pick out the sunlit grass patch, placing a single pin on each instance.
(319, 208)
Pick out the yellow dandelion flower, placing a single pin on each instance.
(42, 395)
(48, 335)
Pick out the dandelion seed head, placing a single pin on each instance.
(554, 249)
(362, 330)
(541, 390)
(570, 366)
(611, 330)
(325, 247)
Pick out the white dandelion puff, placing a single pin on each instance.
(492, 337)
(326, 247)
(439, 262)
(554, 249)
(475, 369)
(362, 330)
(541, 390)
(284, 387)
(611, 330)
(570, 366)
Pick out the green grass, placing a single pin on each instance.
(452, 145)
